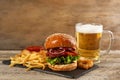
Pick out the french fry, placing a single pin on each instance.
(30, 59)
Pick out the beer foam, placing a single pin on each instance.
(89, 28)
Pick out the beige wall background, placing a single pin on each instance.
(29, 22)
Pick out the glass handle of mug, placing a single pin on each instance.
(111, 39)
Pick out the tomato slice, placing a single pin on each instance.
(72, 53)
(35, 48)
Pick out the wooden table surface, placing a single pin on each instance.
(109, 69)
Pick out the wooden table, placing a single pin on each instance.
(109, 69)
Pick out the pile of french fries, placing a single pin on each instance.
(30, 59)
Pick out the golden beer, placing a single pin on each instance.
(88, 45)
(88, 38)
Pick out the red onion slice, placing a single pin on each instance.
(58, 52)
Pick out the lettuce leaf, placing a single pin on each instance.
(62, 60)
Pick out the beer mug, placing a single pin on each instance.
(88, 37)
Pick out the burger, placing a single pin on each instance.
(61, 52)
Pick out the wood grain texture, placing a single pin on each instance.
(109, 69)
(29, 22)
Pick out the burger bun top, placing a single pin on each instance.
(60, 40)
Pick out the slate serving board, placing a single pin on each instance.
(69, 74)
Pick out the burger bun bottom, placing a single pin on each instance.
(63, 67)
